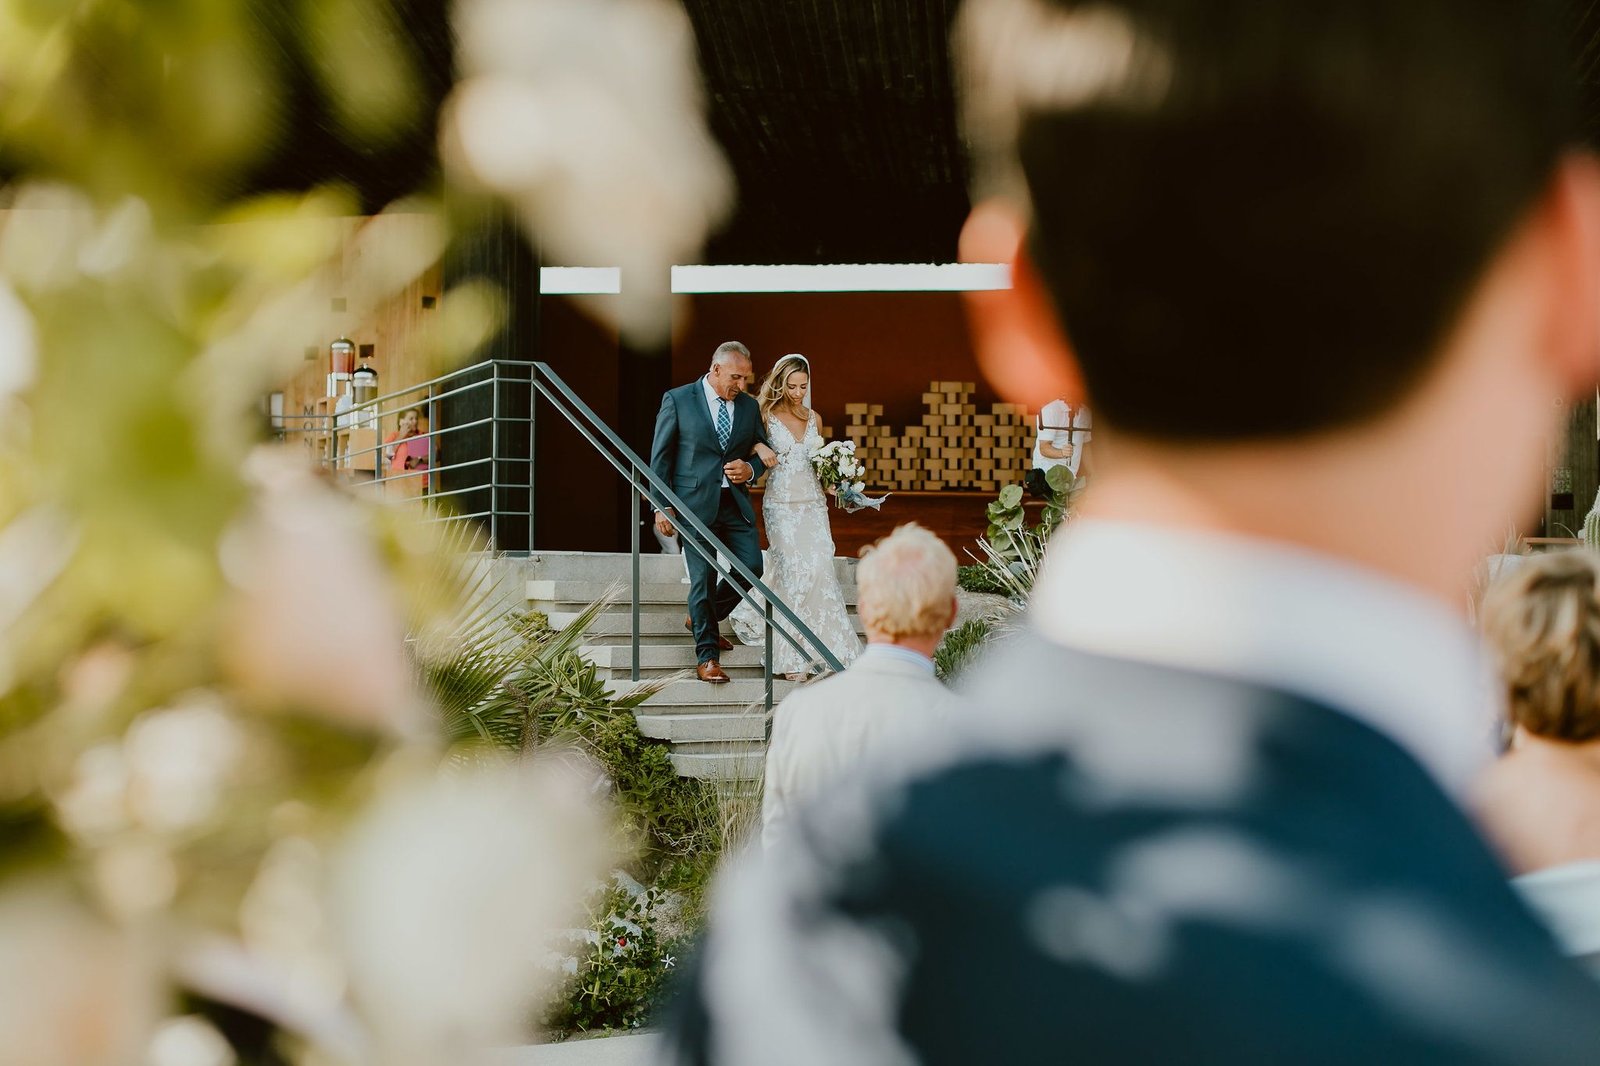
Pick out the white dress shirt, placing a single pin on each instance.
(1052, 426)
(1061, 425)
(715, 404)
(823, 732)
(895, 653)
(1280, 616)
(1082, 423)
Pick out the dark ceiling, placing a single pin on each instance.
(837, 116)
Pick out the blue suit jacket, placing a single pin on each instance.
(1141, 865)
(686, 455)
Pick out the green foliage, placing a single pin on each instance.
(959, 646)
(1014, 572)
(1012, 550)
(977, 578)
(620, 963)
(1065, 488)
(1008, 520)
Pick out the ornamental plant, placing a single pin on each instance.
(230, 764)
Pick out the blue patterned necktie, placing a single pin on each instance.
(724, 426)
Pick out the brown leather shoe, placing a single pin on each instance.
(723, 643)
(710, 672)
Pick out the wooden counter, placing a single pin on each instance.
(955, 517)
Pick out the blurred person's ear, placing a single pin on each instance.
(1019, 342)
(1567, 222)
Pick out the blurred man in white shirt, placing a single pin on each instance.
(907, 589)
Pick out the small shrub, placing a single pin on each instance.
(977, 578)
(959, 647)
(619, 962)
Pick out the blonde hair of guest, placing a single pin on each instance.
(1542, 623)
(906, 585)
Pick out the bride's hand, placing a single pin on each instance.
(767, 456)
(832, 490)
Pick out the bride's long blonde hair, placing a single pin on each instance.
(777, 378)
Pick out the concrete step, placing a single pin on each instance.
(655, 627)
(694, 696)
(661, 660)
(731, 761)
(704, 728)
(603, 567)
(606, 567)
(548, 595)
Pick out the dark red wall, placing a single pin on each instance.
(864, 347)
(577, 505)
(879, 348)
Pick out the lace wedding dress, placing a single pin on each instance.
(799, 556)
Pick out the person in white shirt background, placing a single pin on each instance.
(1061, 438)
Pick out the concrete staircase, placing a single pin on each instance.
(716, 731)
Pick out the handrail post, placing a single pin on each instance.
(766, 633)
(533, 450)
(494, 454)
(633, 491)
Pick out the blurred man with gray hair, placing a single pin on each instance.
(906, 585)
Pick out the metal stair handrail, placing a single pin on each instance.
(627, 463)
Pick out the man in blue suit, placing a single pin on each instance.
(704, 447)
(1210, 806)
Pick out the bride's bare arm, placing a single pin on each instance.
(767, 456)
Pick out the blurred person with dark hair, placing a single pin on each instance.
(1541, 802)
(1296, 257)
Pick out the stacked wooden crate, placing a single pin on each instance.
(947, 432)
(1001, 446)
(872, 441)
(953, 448)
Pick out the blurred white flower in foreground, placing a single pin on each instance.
(313, 625)
(19, 351)
(189, 1041)
(448, 897)
(586, 116)
(181, 759)
(72, 989)
(34, 548)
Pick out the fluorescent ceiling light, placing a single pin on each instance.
(843, 277)
(579, 281)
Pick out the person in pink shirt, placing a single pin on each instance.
(407, 449)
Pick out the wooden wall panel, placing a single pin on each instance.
(391, 328)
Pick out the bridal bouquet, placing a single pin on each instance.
(838, 468)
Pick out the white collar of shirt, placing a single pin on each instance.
(1271, 614)
(712, 400)
(895, 653)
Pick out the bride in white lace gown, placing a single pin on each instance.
(799, 545)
